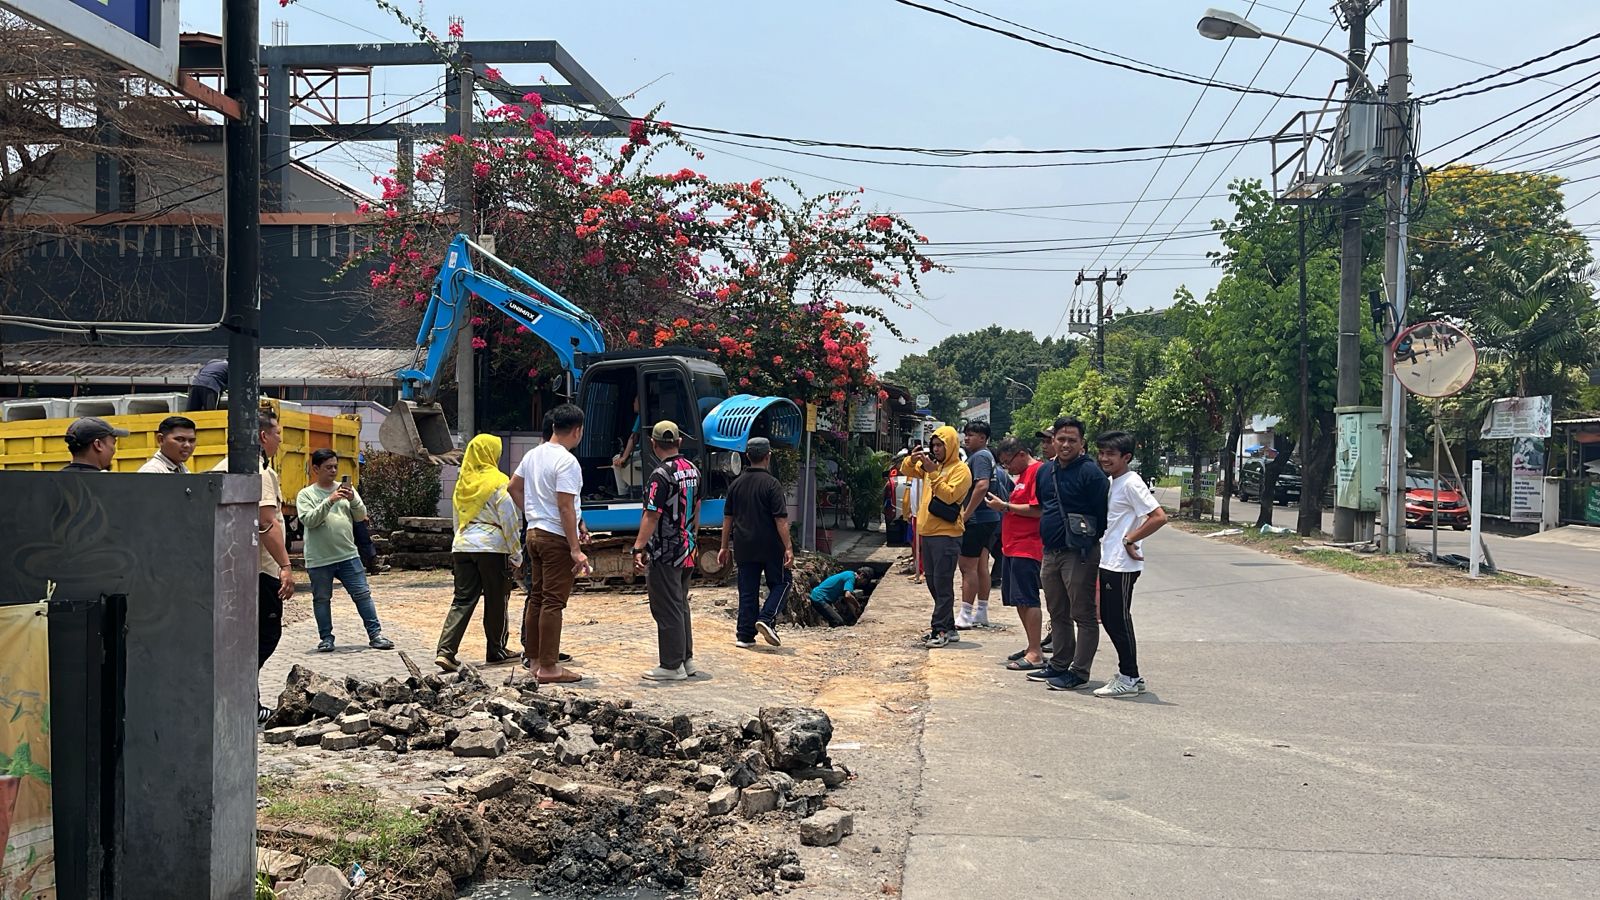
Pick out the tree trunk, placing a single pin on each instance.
(1194, 476)
(1229, 455)
(1316, 467)
(1269, 477)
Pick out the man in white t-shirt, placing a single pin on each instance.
(547, 485)
(1132, 514)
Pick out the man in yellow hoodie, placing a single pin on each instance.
(945, 483)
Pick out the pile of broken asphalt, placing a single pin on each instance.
(574, 793)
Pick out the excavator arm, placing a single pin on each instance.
(570, 332)
(416, 426)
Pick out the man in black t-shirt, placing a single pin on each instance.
(755, 518)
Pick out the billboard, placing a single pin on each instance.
(1511, 417)
(140, 34)
(27, 845)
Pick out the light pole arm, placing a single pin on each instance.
(1348, 64)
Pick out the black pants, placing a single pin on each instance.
(1116, 614)
(477, 575)
(668, 587)
(201, 399)
(269, 618)
(751, 609)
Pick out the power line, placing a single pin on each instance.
(1436, 97)
(1141, 68)
(1513, 129)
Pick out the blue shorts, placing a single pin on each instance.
(1021, 576)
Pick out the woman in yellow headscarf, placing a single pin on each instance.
(488, 536)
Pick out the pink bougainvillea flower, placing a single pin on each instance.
(480, 170)
(479, 343)
(491, 73)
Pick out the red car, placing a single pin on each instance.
(1421, 496)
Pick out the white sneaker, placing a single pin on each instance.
(690, 669)
(660, 674)
(744, 645)
(1120, 686)
(980, 616)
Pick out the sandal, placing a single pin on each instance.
(566, 677)
(1017, 655)
(1023, 665)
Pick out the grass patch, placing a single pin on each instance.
(341, 823)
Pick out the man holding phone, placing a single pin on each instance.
(945, 481)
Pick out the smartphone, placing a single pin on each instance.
(344, 479)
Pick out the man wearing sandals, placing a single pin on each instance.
(547, 484)
(1022, 549)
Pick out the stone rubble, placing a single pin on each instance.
(578, 793)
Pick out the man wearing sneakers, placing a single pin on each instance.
(665, 550)
(945, 481)
(1132, 514)
(755, 521)
(1072, 501)
(1021, 549)
(979, 524)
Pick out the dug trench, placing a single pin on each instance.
(617, 781)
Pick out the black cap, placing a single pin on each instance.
(89, 429)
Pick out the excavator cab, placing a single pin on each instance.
(624, 394)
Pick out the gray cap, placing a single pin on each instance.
(89, 429)
(758, 446)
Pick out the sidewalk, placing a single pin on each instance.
(1573, 561)
(1307, 735)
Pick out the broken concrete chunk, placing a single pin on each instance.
(826, 828)
(829, 776)
(556, 786)
(748, 769)
(659, 793)
(575, 748)
(779, 782)
(722, 800)
(310, 735)
(488, 744)
(336, 740)
(355, 724)
(491, 783)
(689, 748)
(391, 743)
(791, 872)
(795, 737)
(757, 800)
(330, 702)
(279, 735)
(278, 865)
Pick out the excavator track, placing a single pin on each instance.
(611, 557)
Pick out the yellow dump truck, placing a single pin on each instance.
(41, 444)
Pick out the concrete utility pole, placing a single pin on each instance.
(466, 368)
(1350, 261)
(241, 279)
(1100, 310)
(1397, 152)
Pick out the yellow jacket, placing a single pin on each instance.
(949, 482)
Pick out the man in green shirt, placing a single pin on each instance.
(328, 511)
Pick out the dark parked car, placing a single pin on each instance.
(1253, 474)
(1421, 497)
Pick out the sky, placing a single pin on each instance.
(881, 72)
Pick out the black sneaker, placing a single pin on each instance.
(935, 640)
(1069, 681)
(325, 645)
(381, 643)
(769, 633)
(1046, 673)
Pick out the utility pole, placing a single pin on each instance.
(1397, 162)
(1350, 261)
(1100, 311)
(241, 280)
(1305, 365)
(466, 359)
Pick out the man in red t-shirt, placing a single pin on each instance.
(1022, 547)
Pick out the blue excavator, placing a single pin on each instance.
(622, 394)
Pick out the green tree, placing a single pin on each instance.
(1542, 320)
(989, 362)
(1184, 405)
(921, 375)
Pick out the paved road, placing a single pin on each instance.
(1564, 563)
(1308, 735)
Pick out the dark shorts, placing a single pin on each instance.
(977, 538)
(1022, 582)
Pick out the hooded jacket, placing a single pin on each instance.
(949, 482)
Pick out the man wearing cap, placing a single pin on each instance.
(755, 519)
(665, 548)
(175, 440)
(93, 443)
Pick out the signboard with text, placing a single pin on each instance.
(1518, 417)
(140, 34)
(1527, 479)
(864, 414)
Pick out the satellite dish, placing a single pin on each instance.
(1434, 359)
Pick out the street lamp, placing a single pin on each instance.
(1019, 384)
(1219, 25)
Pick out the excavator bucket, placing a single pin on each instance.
(418, 430)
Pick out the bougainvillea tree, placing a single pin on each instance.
(753, 272)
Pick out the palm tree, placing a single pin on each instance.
(1544, 316)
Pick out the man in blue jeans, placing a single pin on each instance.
(755, 519)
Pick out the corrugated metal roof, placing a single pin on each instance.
(49, 363)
